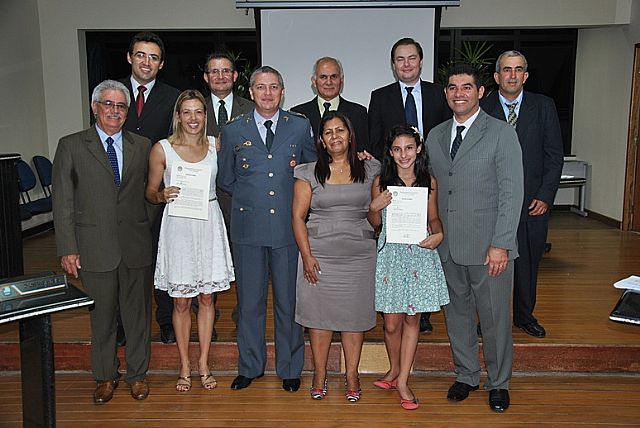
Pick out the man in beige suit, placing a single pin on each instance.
(477, 162)
(103, 234)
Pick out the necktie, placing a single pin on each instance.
(270, 135)
(326, 108)
(512, 118)
(140, 99)
(410, 112)
(456, 141)
(113, 160)
(223, 118)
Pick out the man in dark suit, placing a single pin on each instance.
(151, 116)
(103, 233)
(408, 100)
(536, 121)
(327, 81)
(477, 162)
(259, 151)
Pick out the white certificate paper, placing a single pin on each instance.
(193, 199)
(407, 214)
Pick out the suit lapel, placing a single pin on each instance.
(94, 145)
(525, 117)
(445, 140)
(474, 134)
(128, 155)
(251, 133)
(212, 125)
(396, 101)
(152, 102)
(281, 130)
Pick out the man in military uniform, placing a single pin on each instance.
(259, 151)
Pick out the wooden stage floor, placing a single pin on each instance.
(575, 296)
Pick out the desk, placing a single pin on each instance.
(574, 176)
(36, 348)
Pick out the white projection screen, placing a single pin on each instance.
(292, 40)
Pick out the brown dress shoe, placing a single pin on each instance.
(139, 389)
(104, 391)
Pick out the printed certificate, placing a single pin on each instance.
(193, 181)
(407, 214)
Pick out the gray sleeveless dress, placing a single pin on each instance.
(343, 241)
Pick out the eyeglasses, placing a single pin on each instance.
(112, 105)
(221, 72)
(141, 56)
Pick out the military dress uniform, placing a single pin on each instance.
(260, 182)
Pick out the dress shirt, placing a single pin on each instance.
(334, 104)
(260, 124)
(417, 96)
(134, 86)
(467, 124)
(504, 102)
(228, 104)
(117, 145)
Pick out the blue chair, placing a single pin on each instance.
(26, 182)
(43, 168)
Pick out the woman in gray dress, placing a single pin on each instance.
(336, 268)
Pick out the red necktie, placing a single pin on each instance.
(140, 100)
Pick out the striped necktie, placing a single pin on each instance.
(512, 118)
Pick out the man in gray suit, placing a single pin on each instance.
(258, 153)
(103, 234)
(477, 162)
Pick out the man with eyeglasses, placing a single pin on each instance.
(327, 80)
(151, 115)
(103, 235)
(259, 151)
(409, 100)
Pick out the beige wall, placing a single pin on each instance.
(22, 114)
(601, 111)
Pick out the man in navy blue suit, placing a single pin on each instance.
(258, 153)
(536, 121)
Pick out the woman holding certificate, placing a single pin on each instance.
(337, 250)
(193, 251)
(409, 276)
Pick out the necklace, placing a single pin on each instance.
(335, 168)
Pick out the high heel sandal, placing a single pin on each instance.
(319, 393)
(352, 395)
(208, 381)
(386, 384)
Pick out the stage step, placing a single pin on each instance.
(429, 357)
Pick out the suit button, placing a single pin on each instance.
(450, 174)
(271, 193)
(269, 156)
(450, 192)
(241, 209)
(272, 211)
(271, 174)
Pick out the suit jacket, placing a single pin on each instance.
(92, 216)
(157, 114)
(480, 191)
(240, 106)
(386, 110)
(261, 182)
(538, 130)
(356, 113)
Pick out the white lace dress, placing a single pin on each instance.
(193, 255)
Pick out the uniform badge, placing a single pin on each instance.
(245, 166)
(247, 143)
(292, 163)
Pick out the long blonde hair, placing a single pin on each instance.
(177, 133)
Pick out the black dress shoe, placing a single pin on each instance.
(425, 324)
(241, 382)
(499, 400)
(532, 329)
(291, 385)
(167, 335)
(460, 391)
(121, 339)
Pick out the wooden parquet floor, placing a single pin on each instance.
(557, 401)
(575, 291)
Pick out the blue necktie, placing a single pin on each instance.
(456, 141)
(410, 112)
(270, 134)
(113, 160)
